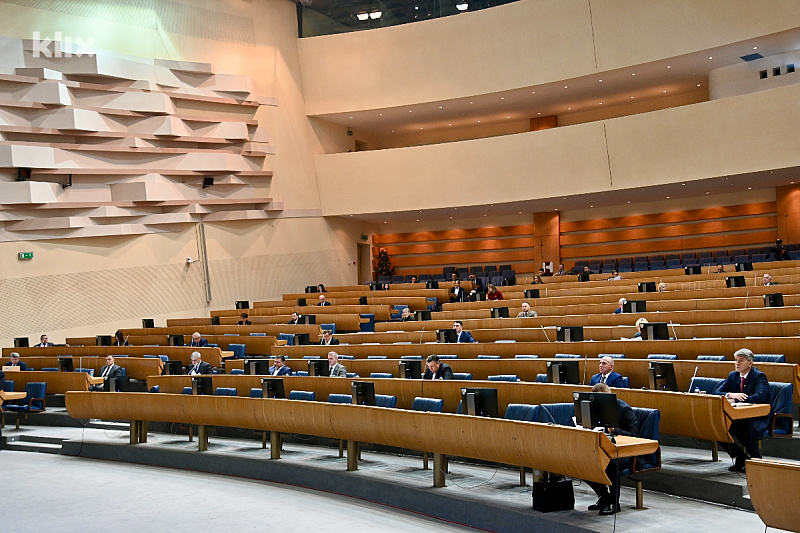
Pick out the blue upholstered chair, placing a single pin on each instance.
(568, 356)
(647, 423)
(611, 355)
(769, 358)
(238, 351)
(381, 375)
(663, 356)
(340, 398)
(225, 391)
(237, 372)
(462, 375)
(49, 369)
(411, 358)
(504, 377)
(350, 375)
(428, 405)
(308, 396)
(448, 356)
(288, 337)
(541, 378)
(557, 413)
(626, 382)
(524, 356)
(711, 358)
(155, 388)
(8, 386)
(186, 390)
(781, 423)
(256, 393)
(706, 385)
(33, 402)
(347, 357)
(367, 322)
(488, 357)
(302, 373)
(329, 327)
(377, 357)
(522, 411)
(385, 400)
(258, 334)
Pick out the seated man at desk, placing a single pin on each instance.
(607, 374)
(620, 306)
(746, 384)
(279, 367)
(768, 280)
(295, 319)
(322, 301)
(436, 369)
(338, 370)
(406, 315)
(526, 311)
(43, 342)
(244, 321)
(328, 338)
(198, 366)
(457, 294)
(14, 361)
(198, 341)
(608, 496)
(461, 335)
(110, 370)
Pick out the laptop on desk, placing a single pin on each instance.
(11, 369)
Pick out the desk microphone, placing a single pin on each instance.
(545, 333)
(695, 372)
(673, 330)
(746, 298)
(421, 334)
(125, 343)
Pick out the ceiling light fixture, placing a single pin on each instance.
(462, 6)
(362, 16)
(375, 14)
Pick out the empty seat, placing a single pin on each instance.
(346, 357)
(673, 263)
(557, 413)
(256, 393)
(448, 356)
(647, 425)
(541, 378)
(330, 327)
(475, 270)
(237, 372)
(706, 385)
(350, 375)
(780, 423)
(340, 398)
(288, 337)
(611, 355)
(279, 336)
(238, 351)
(667, 356)
(462, 375)
(155, 388)
(526, 356)
(89, 371)
(385, 400)
(186, 390)
(398, 279)
(384, 375)
(769, 358)
(488, 357)
(711, 358)
(758, 258)
(225, 391)
(305, 395)
(522, 411)
(428, 405)
(411, 358)
(376, 357)
(568, 356)
(504, 377)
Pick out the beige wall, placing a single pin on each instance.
(521, 44)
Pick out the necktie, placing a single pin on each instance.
(742, 387)
(195, 369)
(603, 379)
(105, 371)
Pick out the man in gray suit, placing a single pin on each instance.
(110, 370)
(337, 369)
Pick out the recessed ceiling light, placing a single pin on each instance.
(698, 85)
(569, 109)
(599, 80)
(538, 113)
(683, 184)
(385, 222)
(711, 57)
(410, 110)
(440, 107)
(470, 103)
(449, 124)
(708, 192)
(565, 86)
(749, 188)
(417, 220)
(669, 66)
(508, 117)
(629, 201)
(380, 114)
(634, 74)
(479, 121)
(755, 48)
(485, 215)
(392, 131)
(451, 217)
(665, 90)
(421, 128)
(362, 16)
(667, 197)
(631, 97)
(502, 98)
(519, 213)
(591, 206)
(601, 103)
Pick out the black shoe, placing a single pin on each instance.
(736, 468)
(609, 510)
(596, 506)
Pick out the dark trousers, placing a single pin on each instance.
(747, 446)
(609, 495)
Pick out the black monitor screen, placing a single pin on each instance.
(148, 323)
(273, 388)
(499, 312)
(446, 335)
(422, 315)
(318, 367)
(564, 371)
(309, 319)
(583, 276)
(647, 286)
(301, 302)
(21, 342)
(202, 385)
(735, 281)
(531, 293)
(103, 340)
(634, 306)
(411, 369)
(311, 288)
(65, 364)
(242, 304)
(742, 267)
(662, 376)
(655, 331)
(693, 269)
(176, 340)
(773, 300)
(363, 392)
(173, 368)
(569, 333)
(256, 367)
(118, 384)
(596, 409)
(303, 339)
(479, 402)
(215, 321)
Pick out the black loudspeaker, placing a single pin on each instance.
(24, 174)
(21, 342)
(773, 300)
(552, 495)
(242, 304)
(148, 323)
(208, 181)
(215, 321)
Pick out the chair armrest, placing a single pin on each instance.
(775, 417)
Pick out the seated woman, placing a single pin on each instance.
(640, 325)
(537, 280)
(321, 288)
(493, 293)
(119, 339)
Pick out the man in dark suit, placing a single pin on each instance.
(14, 361)
(608, 496)
(110, 370)
(746, 384)
(461, 335)
(198, 341)
(337, 370)
(323, 301)
(43, 342)
(457, 294)
(198, 366)
(406, 316)
(437, 370)
(607, 374)
(295, 319)
(768, 280)
(279, 367)
(244, 321)
(328, 339)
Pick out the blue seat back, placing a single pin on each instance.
(568, 356)
(626, 382)
(340, 398)
(237, 372)
(526, 356)
(370, 324)
(411, 358)
(647, 423)
(462, 375)
(711, 358)
(302, 373)
(258, 334)
(428, 405)
(89, 371)
(225, 391)
(288, 337)
(329, 327)
(504, 377)
(305, 395)
(522, 411)
(448, 356)
(351, 375)
(488, 357)
(385, 400)
(377, 357)
(381, 375)
(155, 388)
(611, 355)
(8, 386)
(49, 369)
(781, 395)
(541, 378)
(769, 358)
(238, 350)
(557, 413)
(34, 399)
(256, 393)
(707, 385)
(663, 356)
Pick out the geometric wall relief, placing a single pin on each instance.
(96, 145)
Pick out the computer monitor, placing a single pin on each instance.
(21, 342)
(118, 384)
(422, 315)
(564, 371)
(583, 276)
(734, 281)
(148, 323)
(743, 267)
(569, 333)
(318, 367)
(479, 402)
(432, 284)
(173, 368)
(301, 302)
(363, 392)
(256, 367)
(596, 409)
(303, 339)
(479, 296)
(692, 269)
(446, 335)
(309, 319)
(773, 300)
(532, 293)
(411, 369)
(215, 321)
(273, 388)
(311, 288)
(103, 340)
(202, 386)
(65, 364)
(176, 340)
(635, 306)
(362, 300)
(647, 286)
(655, 331)
(662, 376)
(242, 304)
(499, 312)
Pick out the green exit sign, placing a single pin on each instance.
(25, 255)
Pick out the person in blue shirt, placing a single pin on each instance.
(607, 374)
(461, 335)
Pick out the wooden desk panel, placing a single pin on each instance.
(135, 367)
(182, 353)
(57, 382)
(774, 489)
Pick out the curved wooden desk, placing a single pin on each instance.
(774, 489)
(572, 452)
